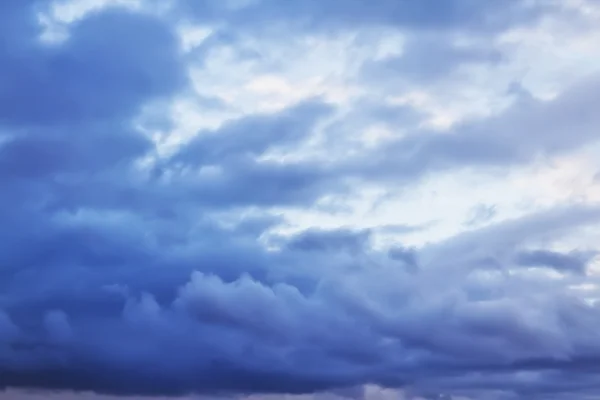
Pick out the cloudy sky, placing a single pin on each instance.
(300, 200)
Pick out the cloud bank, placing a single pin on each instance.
(255, 199)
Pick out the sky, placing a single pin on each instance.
(299, 200)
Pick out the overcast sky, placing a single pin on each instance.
(300, 199)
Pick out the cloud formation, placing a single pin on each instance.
(166, 234)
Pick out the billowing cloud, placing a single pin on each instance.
(193, 206)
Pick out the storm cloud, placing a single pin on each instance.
(149, 252)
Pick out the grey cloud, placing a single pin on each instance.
(481, 213)
(517, 136)
(118, 280)
(427, 59)
(80, 80)
(500, 241)
(406, 255)
(254, 135)
(255, 332)
(331, 14)
(576, 263)
(336, 240)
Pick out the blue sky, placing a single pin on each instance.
(308, 200)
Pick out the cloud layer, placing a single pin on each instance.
(324, 198)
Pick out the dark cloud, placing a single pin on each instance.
(233, 172)
(576, 263)
(254, 135)
(407, 256)
(97, 75)
(426, 59)
(331, 14)
(336, 240)
(519, 135)
(480, 214)
(124, 279)
(217, 334)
